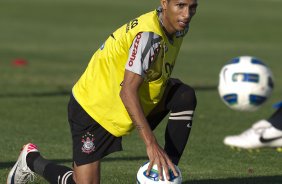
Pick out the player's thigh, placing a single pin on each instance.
(161, 110)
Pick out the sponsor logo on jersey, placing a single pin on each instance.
(155, 54)
(88, 143)
(131, 24)
(135, 48)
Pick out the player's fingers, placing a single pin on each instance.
(172, 167)
(149, 168)
(160, 169)
(166, 170)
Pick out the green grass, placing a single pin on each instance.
(57, 38)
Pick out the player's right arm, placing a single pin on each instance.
(138, 63)
(130, 98)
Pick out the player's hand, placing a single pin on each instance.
(159, 157)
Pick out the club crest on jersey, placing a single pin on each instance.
(88, 143)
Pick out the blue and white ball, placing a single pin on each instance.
(153, 177)
(245, 83)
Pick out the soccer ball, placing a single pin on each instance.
(245, 83)
(153, 177)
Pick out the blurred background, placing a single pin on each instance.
(46, 45)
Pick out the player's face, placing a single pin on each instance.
(177, 14)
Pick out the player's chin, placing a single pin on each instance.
(181, 26)
(180, 29)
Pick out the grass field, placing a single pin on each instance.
(57, 38)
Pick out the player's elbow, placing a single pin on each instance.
(123, 94)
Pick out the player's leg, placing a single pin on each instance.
(88, 173)
(180, 100)
(263, 133)
(273, 135)
(276, 119)
(182, 104)
(90, 143)
(30, 161)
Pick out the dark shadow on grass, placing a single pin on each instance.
(4, 165)
(205, 87)
(249, 180)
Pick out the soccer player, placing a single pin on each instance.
(264, 133)
(127, 82)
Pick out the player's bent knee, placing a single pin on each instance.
(186, 97)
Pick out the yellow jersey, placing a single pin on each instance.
(98, 89)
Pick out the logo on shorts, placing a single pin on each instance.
(88, 143)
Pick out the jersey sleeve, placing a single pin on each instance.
(144, 48)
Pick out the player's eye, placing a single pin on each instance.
(181, 5)
(193, 9)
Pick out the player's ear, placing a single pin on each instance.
(164, 4)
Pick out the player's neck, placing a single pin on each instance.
(169, 35)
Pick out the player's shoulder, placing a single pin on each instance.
(148, 40)
(150, 35)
